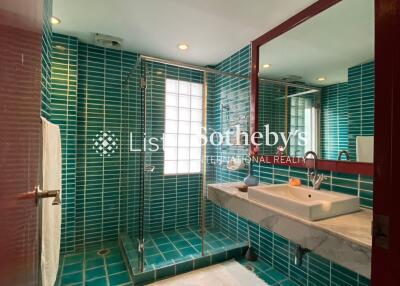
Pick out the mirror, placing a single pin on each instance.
(316, 86)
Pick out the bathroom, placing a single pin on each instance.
(199, 142)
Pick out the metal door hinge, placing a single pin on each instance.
(380, 231)
(143, 83)
(140, 245)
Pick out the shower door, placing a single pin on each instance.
(169, 220)
(172, 187)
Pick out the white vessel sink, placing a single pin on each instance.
(304, 202)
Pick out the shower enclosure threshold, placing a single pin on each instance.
(174, 252)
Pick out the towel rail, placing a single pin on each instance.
(48, 194)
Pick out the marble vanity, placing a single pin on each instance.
(344, 239)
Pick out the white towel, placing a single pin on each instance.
(365, 149)
(51, 214)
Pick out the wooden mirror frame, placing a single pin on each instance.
(328, 165)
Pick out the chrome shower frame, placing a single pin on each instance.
(203, 194)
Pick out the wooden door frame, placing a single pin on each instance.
(386, 255)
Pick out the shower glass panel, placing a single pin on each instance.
(169, 219)
(172, 184)
(133, 129)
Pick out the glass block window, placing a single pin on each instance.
(183, 121)
(304, 117)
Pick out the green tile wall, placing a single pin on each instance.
(92, 92)
(101, 184)
(46, 59)
(272, 248)
(271, 106)
(64, 64)
(278, 252)
(171, 201)
(334, 120)
(347, 111)
(131, 161)
(235, 94)
(361, 88)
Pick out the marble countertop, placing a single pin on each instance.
(345, 239)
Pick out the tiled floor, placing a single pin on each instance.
(167, 248)
(267, 273)
(161, 249)
(89, 268)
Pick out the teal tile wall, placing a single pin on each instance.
(361, 88)
(64, 72)
(347, 111)
(233, 93)
(131, 161)
(92, 92)
(271, 106)
(271, 247)
(46, 59)
(334, 120)
(171, 201)
(101, 184)
(297, 118)
(278, 252)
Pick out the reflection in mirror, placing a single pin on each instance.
(316, 86)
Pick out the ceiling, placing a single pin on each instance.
(213, 29)
(324, 46)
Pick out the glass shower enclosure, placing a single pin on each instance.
(169, 220)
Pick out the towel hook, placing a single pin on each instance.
(48, 194)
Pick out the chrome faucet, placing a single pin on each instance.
(341, 152)
(315, 178)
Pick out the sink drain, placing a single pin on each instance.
(104, 251)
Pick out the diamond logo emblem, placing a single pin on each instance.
(105, 143)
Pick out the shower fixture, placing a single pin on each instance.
(225, 107)
(107, 41)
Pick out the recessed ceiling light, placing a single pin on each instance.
(265, 66)
(183, 47)
(55, 20)
(321, 78)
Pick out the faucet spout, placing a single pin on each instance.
(346, 153)
(315, 178)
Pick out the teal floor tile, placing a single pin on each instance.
(95, 265)
(71, 278)
(188, 251)
(116, 268)
(102, 281)
(73, 268)
(166, 247)
(114, 258)
(95, 262)
(119, 279)
(95, 273)
(73, 259)
(171, 255)
(155, 259)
